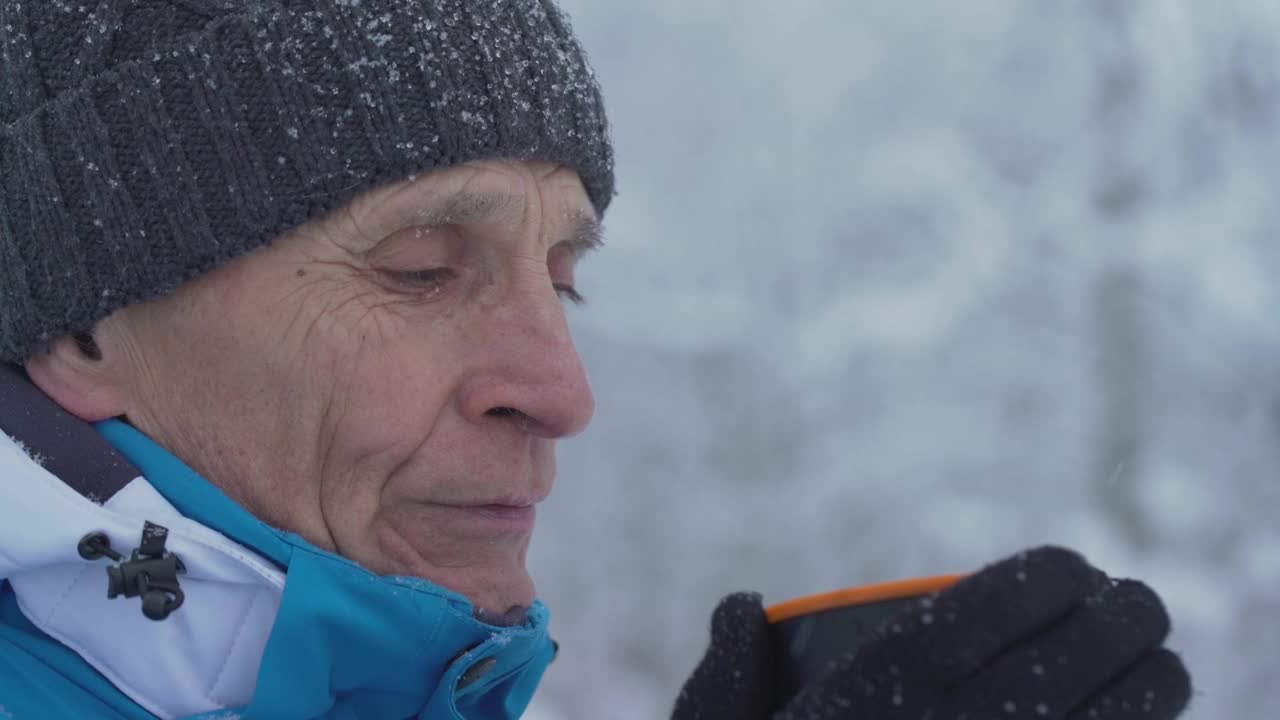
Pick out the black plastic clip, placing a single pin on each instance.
(150, 572)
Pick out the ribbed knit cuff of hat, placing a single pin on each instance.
(161, 160)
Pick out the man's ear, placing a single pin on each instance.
(73, 372)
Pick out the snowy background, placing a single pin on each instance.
(895, 289)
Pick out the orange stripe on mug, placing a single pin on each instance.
(862, 595)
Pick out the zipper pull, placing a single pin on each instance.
(151, 572)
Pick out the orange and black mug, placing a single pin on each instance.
(810, 632)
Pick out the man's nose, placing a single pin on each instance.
(529, 372)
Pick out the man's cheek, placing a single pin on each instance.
(386, 398)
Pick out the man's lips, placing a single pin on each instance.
(502, 516)
(505, 512)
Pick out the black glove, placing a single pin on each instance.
(1039, 636)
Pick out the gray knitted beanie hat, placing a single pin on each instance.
(145, 142)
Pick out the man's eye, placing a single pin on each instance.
(430, 279)
(570, 293)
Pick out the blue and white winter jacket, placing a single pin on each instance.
(270, 626)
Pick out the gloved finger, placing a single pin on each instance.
(942, 640)
(1045, 677)
(735, 678)
(1156, 688)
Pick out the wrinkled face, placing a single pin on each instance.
(388, 382)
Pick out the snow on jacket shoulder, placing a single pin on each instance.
(269, 627)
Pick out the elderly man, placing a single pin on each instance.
(281, 288)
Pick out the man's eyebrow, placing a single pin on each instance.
(585, 235)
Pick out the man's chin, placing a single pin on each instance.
(494, 596)
(490, 574)
(498, 600)
(515, 616)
